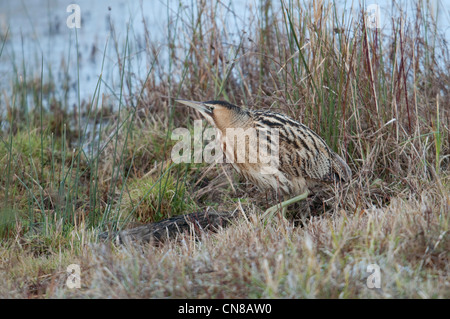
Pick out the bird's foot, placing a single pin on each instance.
(271, 211)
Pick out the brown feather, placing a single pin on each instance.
(304, 157)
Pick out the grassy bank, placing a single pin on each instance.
(379, 99)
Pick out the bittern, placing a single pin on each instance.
(304, 160)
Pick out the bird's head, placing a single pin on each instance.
(219, 113)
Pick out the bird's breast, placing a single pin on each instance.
(244, 157)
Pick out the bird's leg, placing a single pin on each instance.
(270, 212)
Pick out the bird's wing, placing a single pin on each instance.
(301, 151)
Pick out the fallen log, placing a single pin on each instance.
(157, 232)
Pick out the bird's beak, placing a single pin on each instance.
(199, 106)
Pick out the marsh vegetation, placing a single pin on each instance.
(379, 98)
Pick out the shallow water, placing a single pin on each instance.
(38, 29)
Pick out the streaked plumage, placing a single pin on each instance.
(304, 157)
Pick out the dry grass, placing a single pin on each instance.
(327, 258)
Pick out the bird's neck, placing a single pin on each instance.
(237, 121)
